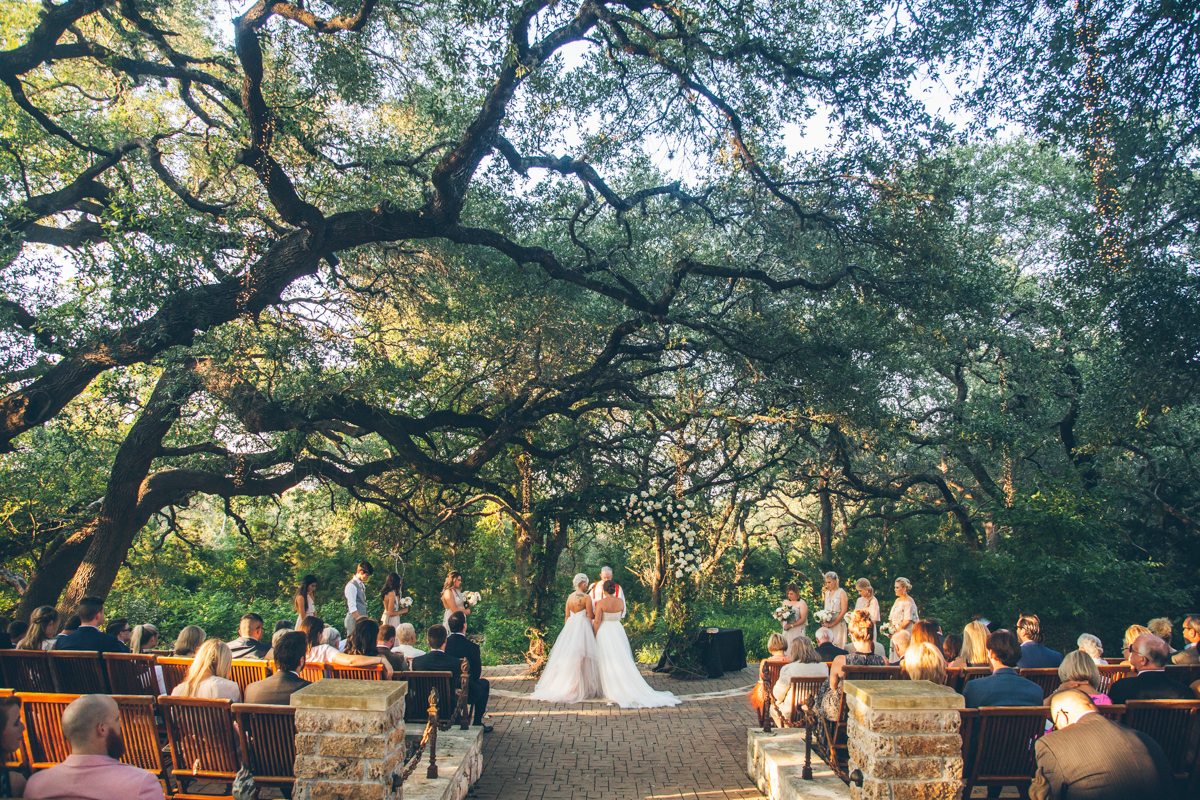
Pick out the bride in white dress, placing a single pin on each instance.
(571, 675)
(619, 677)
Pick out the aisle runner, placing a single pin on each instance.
(687, 698)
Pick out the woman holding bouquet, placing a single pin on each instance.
(867, 601)
(452, 597)
(390, 594)
(796, 627)
(836, 606)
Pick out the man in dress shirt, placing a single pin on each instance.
(1034, 654)
(1004, 687)
(1191, 634)
(89, 636)
(459, 646)
(93, 771)
(249, 643)
(289, 660)
(597, 590)
(356, 596)
(1148, 657)
(1093, 758)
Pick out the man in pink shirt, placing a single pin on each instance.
(92, 726)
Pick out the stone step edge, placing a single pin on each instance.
(775, 760)
(459, 761)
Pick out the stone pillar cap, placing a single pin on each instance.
(902, 695)
(335, 693)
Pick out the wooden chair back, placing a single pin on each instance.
(131, 674)
(1115, 713)
(79, 672)
(1110, 674)
(202, 738)
(247, 671)
(160, 653)
(872, 673)
(1174, 724)
(1002, 746)
(42, 715)
(174, 670)
(374, 673)
(1044, 677)
(27, 671)
(139, 729)
(313, 672)
(768, 672)
(1184, 673)
(416, 701)
(968, 674)
(268, 735)
(803, 692)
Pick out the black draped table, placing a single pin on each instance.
(720, 650)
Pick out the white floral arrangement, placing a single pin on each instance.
(887, 629)
(672, 515)
(472, 599)
(784, 615)
(824, 615)
(406, 602)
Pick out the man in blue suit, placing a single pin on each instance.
(1005, 687)
(89, 635)
(1034, 654)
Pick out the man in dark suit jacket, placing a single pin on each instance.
(1005, 687)
(89, 636)
(1190, 654)
(459, 646)
(825, 648)
(1148, 656)
(1091, 758)
(249, 643)
(289, 660)
(1034, 654)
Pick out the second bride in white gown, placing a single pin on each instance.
(571, 674)
(620, 680)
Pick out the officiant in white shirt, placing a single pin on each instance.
(597, 590)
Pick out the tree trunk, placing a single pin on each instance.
(55, 569)
(121, 517)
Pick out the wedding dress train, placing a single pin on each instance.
(619, 677)
(571, 674)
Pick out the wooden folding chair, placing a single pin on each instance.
(174, 670)
(247, 671)
(803, 692)
(1110, 674)
(374, 673)
(42, 715)
(1115, 713)
(203, 744)
(79, 672)
(1046, 678)
(971, 674)
(768, 674)
(139, 729)
(313, 672)
(27, 671)
(129, 674)
(1175, 725)
(416, 701)
(1002, 749)
(268, 736)
(872, 673)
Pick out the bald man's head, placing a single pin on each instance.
(92, 725)
(1153, 649)
(1068, 706)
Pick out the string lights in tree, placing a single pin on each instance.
(1099, 150)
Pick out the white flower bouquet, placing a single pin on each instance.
(784, 615)
(672, 515)
(824, 615)
(406, 602)
(472, 599)
(887, 629)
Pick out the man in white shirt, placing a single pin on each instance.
(597, 590)
(356, 596)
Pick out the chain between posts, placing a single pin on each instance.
(428, 738)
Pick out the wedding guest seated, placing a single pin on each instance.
(406, 640)
(1092, 646)
(333, 637)
(43, 627)
(901, 640)
(1079, 671)
(459, 646)
(1004, 687)
(926, 630)
(12, 784)
(91, 724)
(249, 642)
(1148, 657)
(121, 629)
(1190, 654)
(805, 663)
(952, 647)
(1163, 629)
(826, 649)
(862, 655)
(777, 646)
(974, 646)
(924, 662)
(141, 642)
(319, 653)
(1131, 634)
(17, 630)
(68, 627)
(283, 625)
(1034, 654)
(208, 676)
(1089, 756)
(188, 641)
(277, 689)
(270, 656)
(89, 636)
(385, 640)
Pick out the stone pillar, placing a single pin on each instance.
(903, 737)
(349, 739)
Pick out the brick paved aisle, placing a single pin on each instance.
(589, 751)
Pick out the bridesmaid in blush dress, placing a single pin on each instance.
(837, 602)
(797, 628)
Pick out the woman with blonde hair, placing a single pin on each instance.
(837, 603)
(798, 627)
(1131, 634)
(208, 676)
(974, 646)
(452, 597)
(1091, 645)
(904, 610)
(805, 662)
(143, 639)
(572, 672)
(777, 646)
(188, 641)
(43, 627)
(862, 654)
(867, 601)
(1079, 671)
(924, 662)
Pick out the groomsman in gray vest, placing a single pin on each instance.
(356, 596)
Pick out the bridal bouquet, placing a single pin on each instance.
(472, 599)
(784, 615)
(824, 615)
(887, 629)
(406, 602)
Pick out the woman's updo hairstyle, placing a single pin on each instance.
(580, 580)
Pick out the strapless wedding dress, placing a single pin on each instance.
(571, 675)
(619, 677)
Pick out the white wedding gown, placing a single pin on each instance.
(571, 674)
(619, 677)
